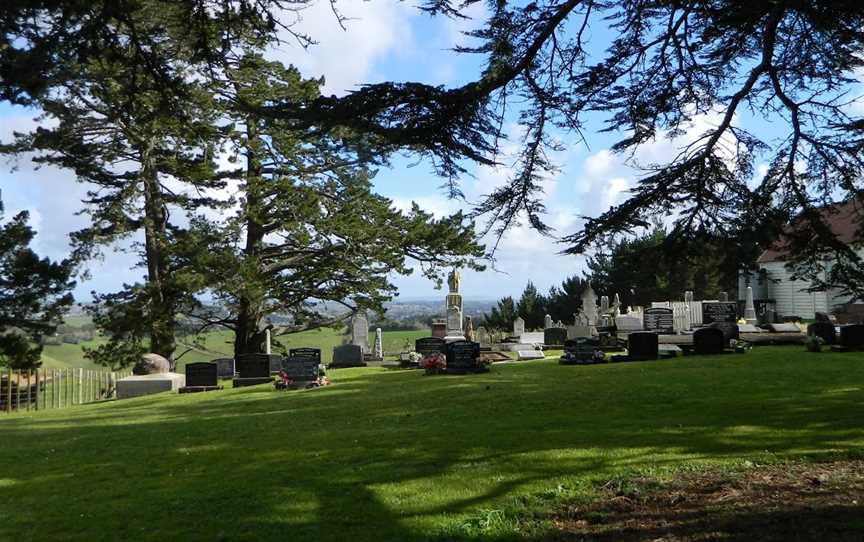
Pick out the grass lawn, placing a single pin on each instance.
(220, 344)
(396, 455)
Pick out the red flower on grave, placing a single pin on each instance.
(434, 361)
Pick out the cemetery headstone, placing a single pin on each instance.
(659, 320)
(378, 349)
(730, 331)
(852, 336)
(253, 365)
(275, 362)
(202, 374)
(224, 367)
(554, 336)
(453, 306)
(254, 369)
(642, 345)
(824, 330)
(749, 307)
(454, 321)
(709, 340)
(577, 331)
(525, 355)
(482, 336)
(347, 355)
(462, 357)
(430, 345)
(360, 332)
(719, 311)
(579, 351)
(302, 370)
(547, 322)
(518, 327)
(306, 353)
(589, 306)
(628, 324)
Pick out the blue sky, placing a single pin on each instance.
(385, 40)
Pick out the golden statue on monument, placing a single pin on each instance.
(453, 281)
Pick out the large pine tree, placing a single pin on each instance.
(34, 294)
(309, 228)
(145, 162)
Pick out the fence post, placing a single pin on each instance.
(37, 390)
(9, 390)
(80, 387)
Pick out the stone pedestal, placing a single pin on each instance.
(439, 329)
(453, 312)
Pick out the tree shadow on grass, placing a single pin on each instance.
(343, 462)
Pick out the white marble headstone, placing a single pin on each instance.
(518, 327)
(360, 332)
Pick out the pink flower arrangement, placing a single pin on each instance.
(434, 362)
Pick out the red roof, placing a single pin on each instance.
(842, 218)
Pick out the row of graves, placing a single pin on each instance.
(844, 338)
(663, 330)
(300, 369)
(439, 356)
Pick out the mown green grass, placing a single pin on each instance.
(396, 455)
(220, 344)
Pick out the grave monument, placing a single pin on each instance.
(360, 332)
(453, 308)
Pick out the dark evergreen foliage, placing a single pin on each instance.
(34, 294)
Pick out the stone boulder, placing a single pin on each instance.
(151, 364)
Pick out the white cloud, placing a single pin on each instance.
(346, 58)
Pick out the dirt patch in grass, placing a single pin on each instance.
(823, 501)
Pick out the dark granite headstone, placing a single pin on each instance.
(643, 345)
(659, 320)
(348, 355)
(554, 336)
(730, 330)
(201, 374)
(822, 317)
(253, 365)
(305, 353)
(462, 357)
(430, 345)
(718, 311)
(579, 351)
(825, 330)
(708, 340)
(224, 367)
(301, 369)
(852, 336)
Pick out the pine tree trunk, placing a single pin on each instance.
(161, 308)
(248, 337)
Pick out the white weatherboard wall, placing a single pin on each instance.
(791, 296)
